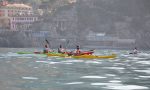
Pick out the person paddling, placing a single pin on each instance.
(77, 52)
(46, 47)
(135, 51)
(60, 49)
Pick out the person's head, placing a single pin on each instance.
(135, 48)
(78, 47)
(46, 46)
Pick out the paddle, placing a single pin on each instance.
(91, 49)
(67, 44)
(47, 43)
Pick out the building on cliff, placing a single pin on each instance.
(16, 16)
(102, 40)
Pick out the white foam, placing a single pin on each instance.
(136, 78)
(92, 77)
(94, 62)
(53, 62)
(98, 84)
(145, 71)
(68, 61)
(42, 61)
(120, 68)
(71, 83)
(126, 87)
(144, 62)
(48, 62)
(115, 81)
(117, 78)
(112, 75)
(32, 78)
(144, 76)
(144, 54)
(136, 58)
(125, 55)
(118, 86)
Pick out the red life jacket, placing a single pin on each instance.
(78, 51)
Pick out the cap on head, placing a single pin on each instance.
(77, 47)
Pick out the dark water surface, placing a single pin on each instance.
(38, 72)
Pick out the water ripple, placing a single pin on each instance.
(71, 83)
(92, 77)
(119, 86)
(31, 78)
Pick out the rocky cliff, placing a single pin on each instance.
(126, 19)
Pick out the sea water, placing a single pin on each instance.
(39, 72)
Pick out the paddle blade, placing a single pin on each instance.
(47, 41)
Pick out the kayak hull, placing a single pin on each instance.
(25, 52)
(95, 56)
(56, 54)
(36, 53)
(78, 56)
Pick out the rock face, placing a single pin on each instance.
(125, 19)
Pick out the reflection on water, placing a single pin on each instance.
(38, 72)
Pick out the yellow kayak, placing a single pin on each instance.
(84, 56)
(56, 54)
(95, 56)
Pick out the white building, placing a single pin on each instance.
(100, 37)
(104, 41)
(16, 16)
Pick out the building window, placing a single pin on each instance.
(1, 12)
(35, 19)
